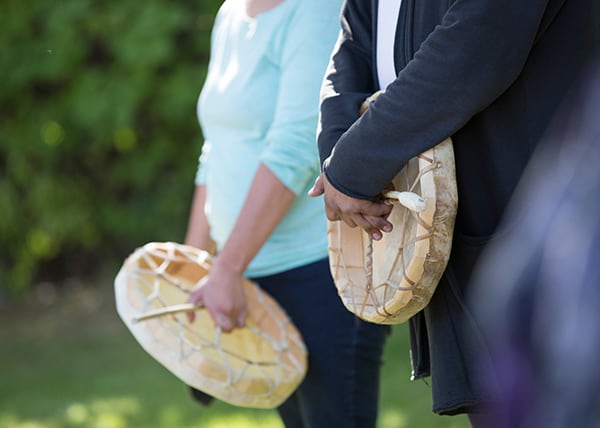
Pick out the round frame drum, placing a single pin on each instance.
(390, 280)
(257, 366)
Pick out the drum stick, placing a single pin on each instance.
(169, 310)
(410, 200)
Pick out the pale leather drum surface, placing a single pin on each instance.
(257, 366)
(390, 280)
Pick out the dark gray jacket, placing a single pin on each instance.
(488, 73)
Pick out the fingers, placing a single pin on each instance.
(379, 223)
(373, 226)
(196, 299)
(369, 215)
(227, 317)
(223, 321)
(376, 209)
(225, 312)
(368, 228)
(228, 320)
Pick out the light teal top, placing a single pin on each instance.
(260, 104)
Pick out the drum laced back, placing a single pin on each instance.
(388, 281)
(257, 366)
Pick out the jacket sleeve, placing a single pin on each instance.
(348, 80)
(466, 62)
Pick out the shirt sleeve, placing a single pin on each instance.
(291, 151)
(202, 162)
(466, 62)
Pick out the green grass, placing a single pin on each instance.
(72, 363)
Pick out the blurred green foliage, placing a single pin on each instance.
(98, 133)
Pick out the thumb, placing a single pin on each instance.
(196, 299)
(318, 188)
(191, 316)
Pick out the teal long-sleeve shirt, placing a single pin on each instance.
(259, 104)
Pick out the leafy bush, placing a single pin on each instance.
(99, 138)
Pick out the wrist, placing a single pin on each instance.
(231, 261)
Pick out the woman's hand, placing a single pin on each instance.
(370, 216)
(221, 293)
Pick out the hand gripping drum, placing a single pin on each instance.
(257, 366)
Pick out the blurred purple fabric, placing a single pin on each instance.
(537, 288)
